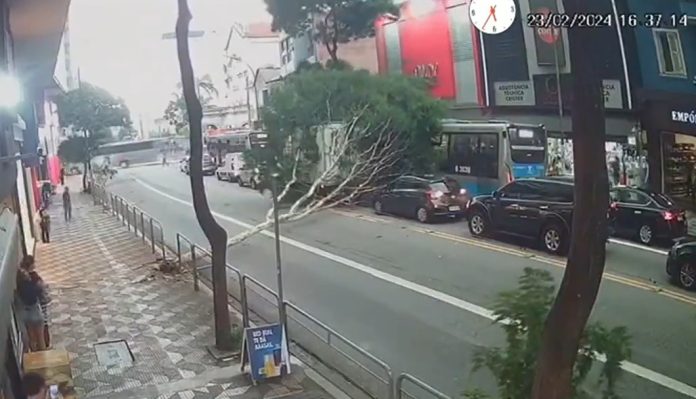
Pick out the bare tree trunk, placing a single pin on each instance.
(216, 234)
(583, 274)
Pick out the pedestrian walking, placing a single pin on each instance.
(62, 176)
(35, 386)
(67, 204)
(29, 293)
(45, 225)
(164, 159)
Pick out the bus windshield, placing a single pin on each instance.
(527, 145)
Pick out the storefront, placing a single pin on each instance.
(670, 127)
(11, 341)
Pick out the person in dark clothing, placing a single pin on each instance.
(67, 204)
(35, 386)
(45, 224)
(29, 293)
(62, 176)
(29, 267)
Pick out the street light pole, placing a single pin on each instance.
(248, 101)
(279, 269)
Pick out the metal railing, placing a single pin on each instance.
(363, 369)
(422, 386)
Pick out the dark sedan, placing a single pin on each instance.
(681, 263)
(646, 216)
(421, 198)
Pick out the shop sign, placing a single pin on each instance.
(426, 71)
(548, 41)
(518, 93)
(612, 94)
(265, 350)
(684, 117)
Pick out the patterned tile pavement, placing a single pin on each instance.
(95, 271)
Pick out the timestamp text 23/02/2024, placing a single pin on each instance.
(562, 20)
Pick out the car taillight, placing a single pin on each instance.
(668, 215)
(435, 194)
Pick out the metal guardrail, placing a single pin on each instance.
(418, 383)
(386, 384)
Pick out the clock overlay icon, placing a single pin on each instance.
(492, 16)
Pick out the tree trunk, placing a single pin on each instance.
(583, 274)
(216, 234)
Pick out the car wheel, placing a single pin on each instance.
(478, 224)
(124, 164)
(422, 215)
(378, 207)
(646, 234)
(687, 276)
(553, 239)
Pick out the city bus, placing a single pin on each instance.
(129, 153)
(485, 155)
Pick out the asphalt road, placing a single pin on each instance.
(416, 296)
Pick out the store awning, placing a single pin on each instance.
(37, 29)
(9, 259)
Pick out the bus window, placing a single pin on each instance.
(527, 145)
(475, 155)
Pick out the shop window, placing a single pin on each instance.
(669, 52)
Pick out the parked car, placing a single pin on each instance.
(232, 164)
(646, 215)
(681, 263)
(420, 198)
(249, 177)
(209, 166)
(541, 209)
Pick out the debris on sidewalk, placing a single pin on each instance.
(120, 292)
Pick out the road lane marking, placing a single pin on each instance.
(477, 242)
(640, 371)
(638, 246)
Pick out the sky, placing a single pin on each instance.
(118, 45)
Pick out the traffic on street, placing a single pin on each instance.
(419, 295)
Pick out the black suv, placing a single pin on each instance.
(536, 208)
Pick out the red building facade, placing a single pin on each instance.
(434, 39)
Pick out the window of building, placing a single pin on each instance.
(669, 52)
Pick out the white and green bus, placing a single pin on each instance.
(130, 153)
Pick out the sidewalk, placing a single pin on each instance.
(95, 270)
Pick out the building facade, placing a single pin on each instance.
(249, 48)
(510, 76)
(664, 77)
(30, 36)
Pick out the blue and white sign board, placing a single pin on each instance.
(266, 349)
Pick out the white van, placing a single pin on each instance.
(232, 165)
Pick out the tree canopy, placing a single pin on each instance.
(90, 109)
(317, 97)
(331, 21)
(176, 113)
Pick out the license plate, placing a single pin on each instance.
(455, 208)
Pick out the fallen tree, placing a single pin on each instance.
(353, 169)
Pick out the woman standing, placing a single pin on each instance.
(29, 294)
(44, 300)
